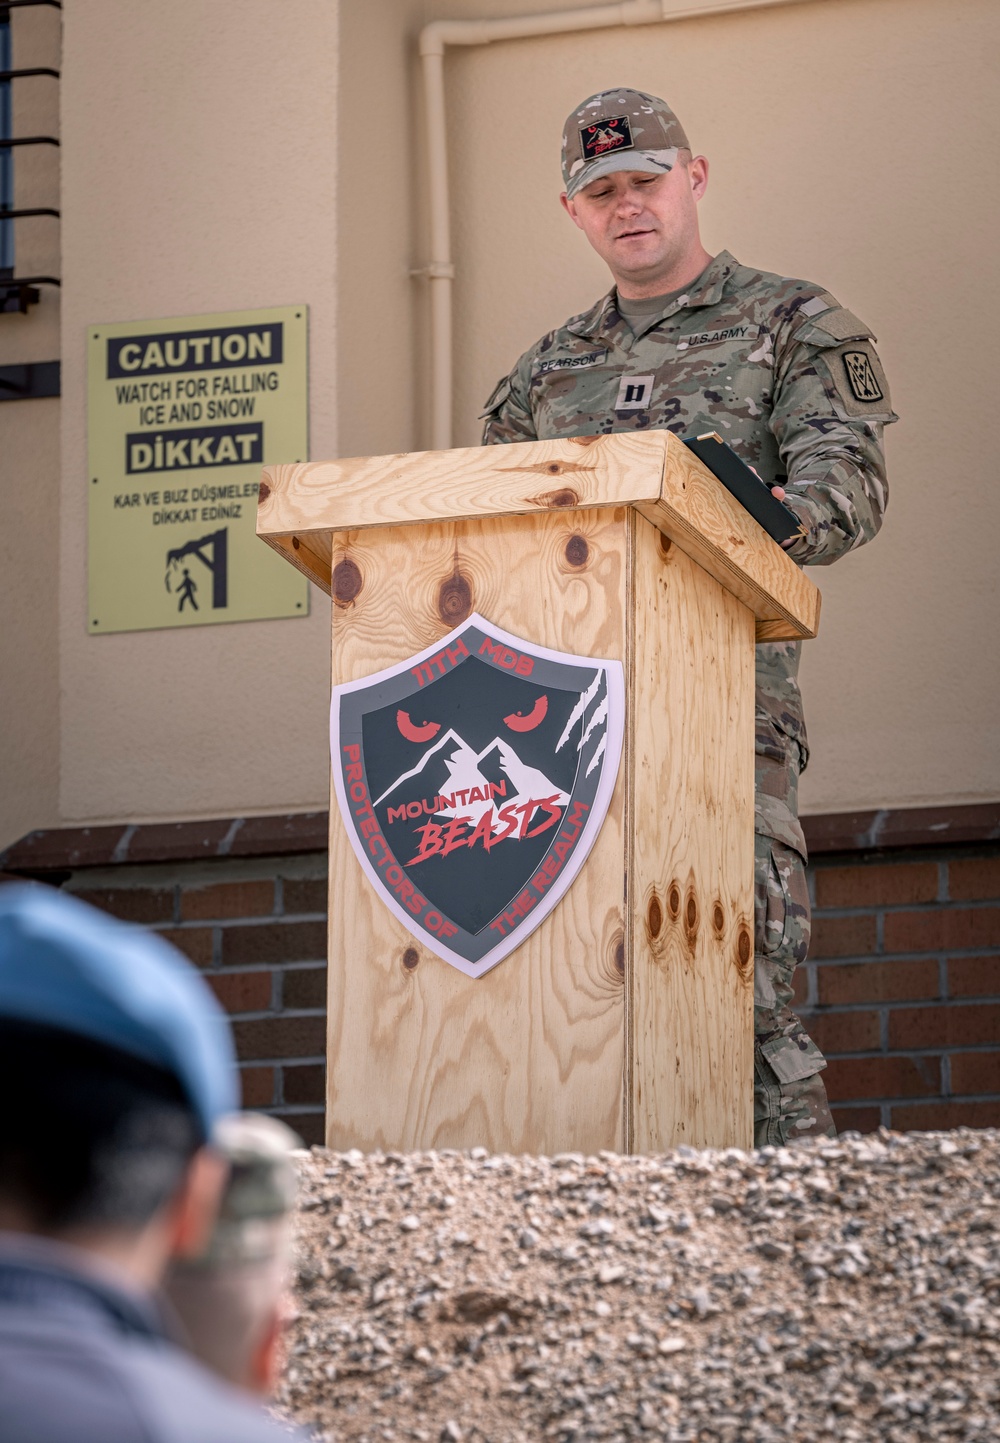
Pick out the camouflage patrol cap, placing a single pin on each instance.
(619, 130)
(259, 1194)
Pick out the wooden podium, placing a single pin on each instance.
(624, 1021)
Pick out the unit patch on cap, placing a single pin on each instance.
(861, 376)
(605, 135)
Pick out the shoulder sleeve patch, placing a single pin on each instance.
(855, 372)
(497, 398)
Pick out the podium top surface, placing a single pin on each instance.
(303, 506)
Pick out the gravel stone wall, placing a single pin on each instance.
(844, 1290)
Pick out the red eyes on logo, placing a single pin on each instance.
(413, 733)
(535, 717)
(515, 721)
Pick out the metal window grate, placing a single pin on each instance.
(17, 293)
(6, 158)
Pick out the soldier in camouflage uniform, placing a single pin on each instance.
(790, 379)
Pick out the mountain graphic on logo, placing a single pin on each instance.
(445, 757)
(463, 774)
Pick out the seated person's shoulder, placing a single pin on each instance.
(177, 1393)
(62, 1380)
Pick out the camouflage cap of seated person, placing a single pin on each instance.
(619, 130)
(259, 1194)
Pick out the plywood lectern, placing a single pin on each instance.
(624, 1019)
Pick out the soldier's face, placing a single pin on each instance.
(645, 227)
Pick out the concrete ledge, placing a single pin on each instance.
(901, 827)
(66, 849)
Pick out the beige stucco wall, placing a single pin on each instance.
(212, 161)
(29, 596)
(379, 301)
(199, 174)
(29, 463)
(852, 143)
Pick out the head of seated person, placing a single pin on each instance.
(232, 1298)
(117, 1062)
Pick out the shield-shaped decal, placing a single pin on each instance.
(473, 780)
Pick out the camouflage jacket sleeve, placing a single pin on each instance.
(831, 402)
(507, 415)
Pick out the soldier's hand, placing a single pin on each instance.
(779, 493)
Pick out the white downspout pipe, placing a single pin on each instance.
(440, 271)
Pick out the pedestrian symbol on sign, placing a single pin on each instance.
(187, 592)
(213, 552)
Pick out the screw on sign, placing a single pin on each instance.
(473, 779)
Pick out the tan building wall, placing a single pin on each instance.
(239, 154)
(853, 144)
(29, 462)
(199, 174)
(29, 592)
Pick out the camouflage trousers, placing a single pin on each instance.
(789, 1099)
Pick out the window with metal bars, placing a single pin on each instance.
(6, 156)
(17, 293)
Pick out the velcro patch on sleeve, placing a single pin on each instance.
(856, 374)
(861, 376)
(840, 325)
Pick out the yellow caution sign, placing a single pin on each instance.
(182, 414)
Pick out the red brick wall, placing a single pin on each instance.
(902, 987)
(261, 943)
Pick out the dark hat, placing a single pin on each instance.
(619, 130)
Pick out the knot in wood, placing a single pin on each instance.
(718, 917)
(346, 581)
(664, 543)
(744, 954)
(263, 493)
(654, 917)
(565, 497)
(296, 543)
(410, 958)
(454, 599)
(620, 955)
(577, 551)
(674, 902)
(691, 920)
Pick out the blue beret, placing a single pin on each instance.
(67, 965)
